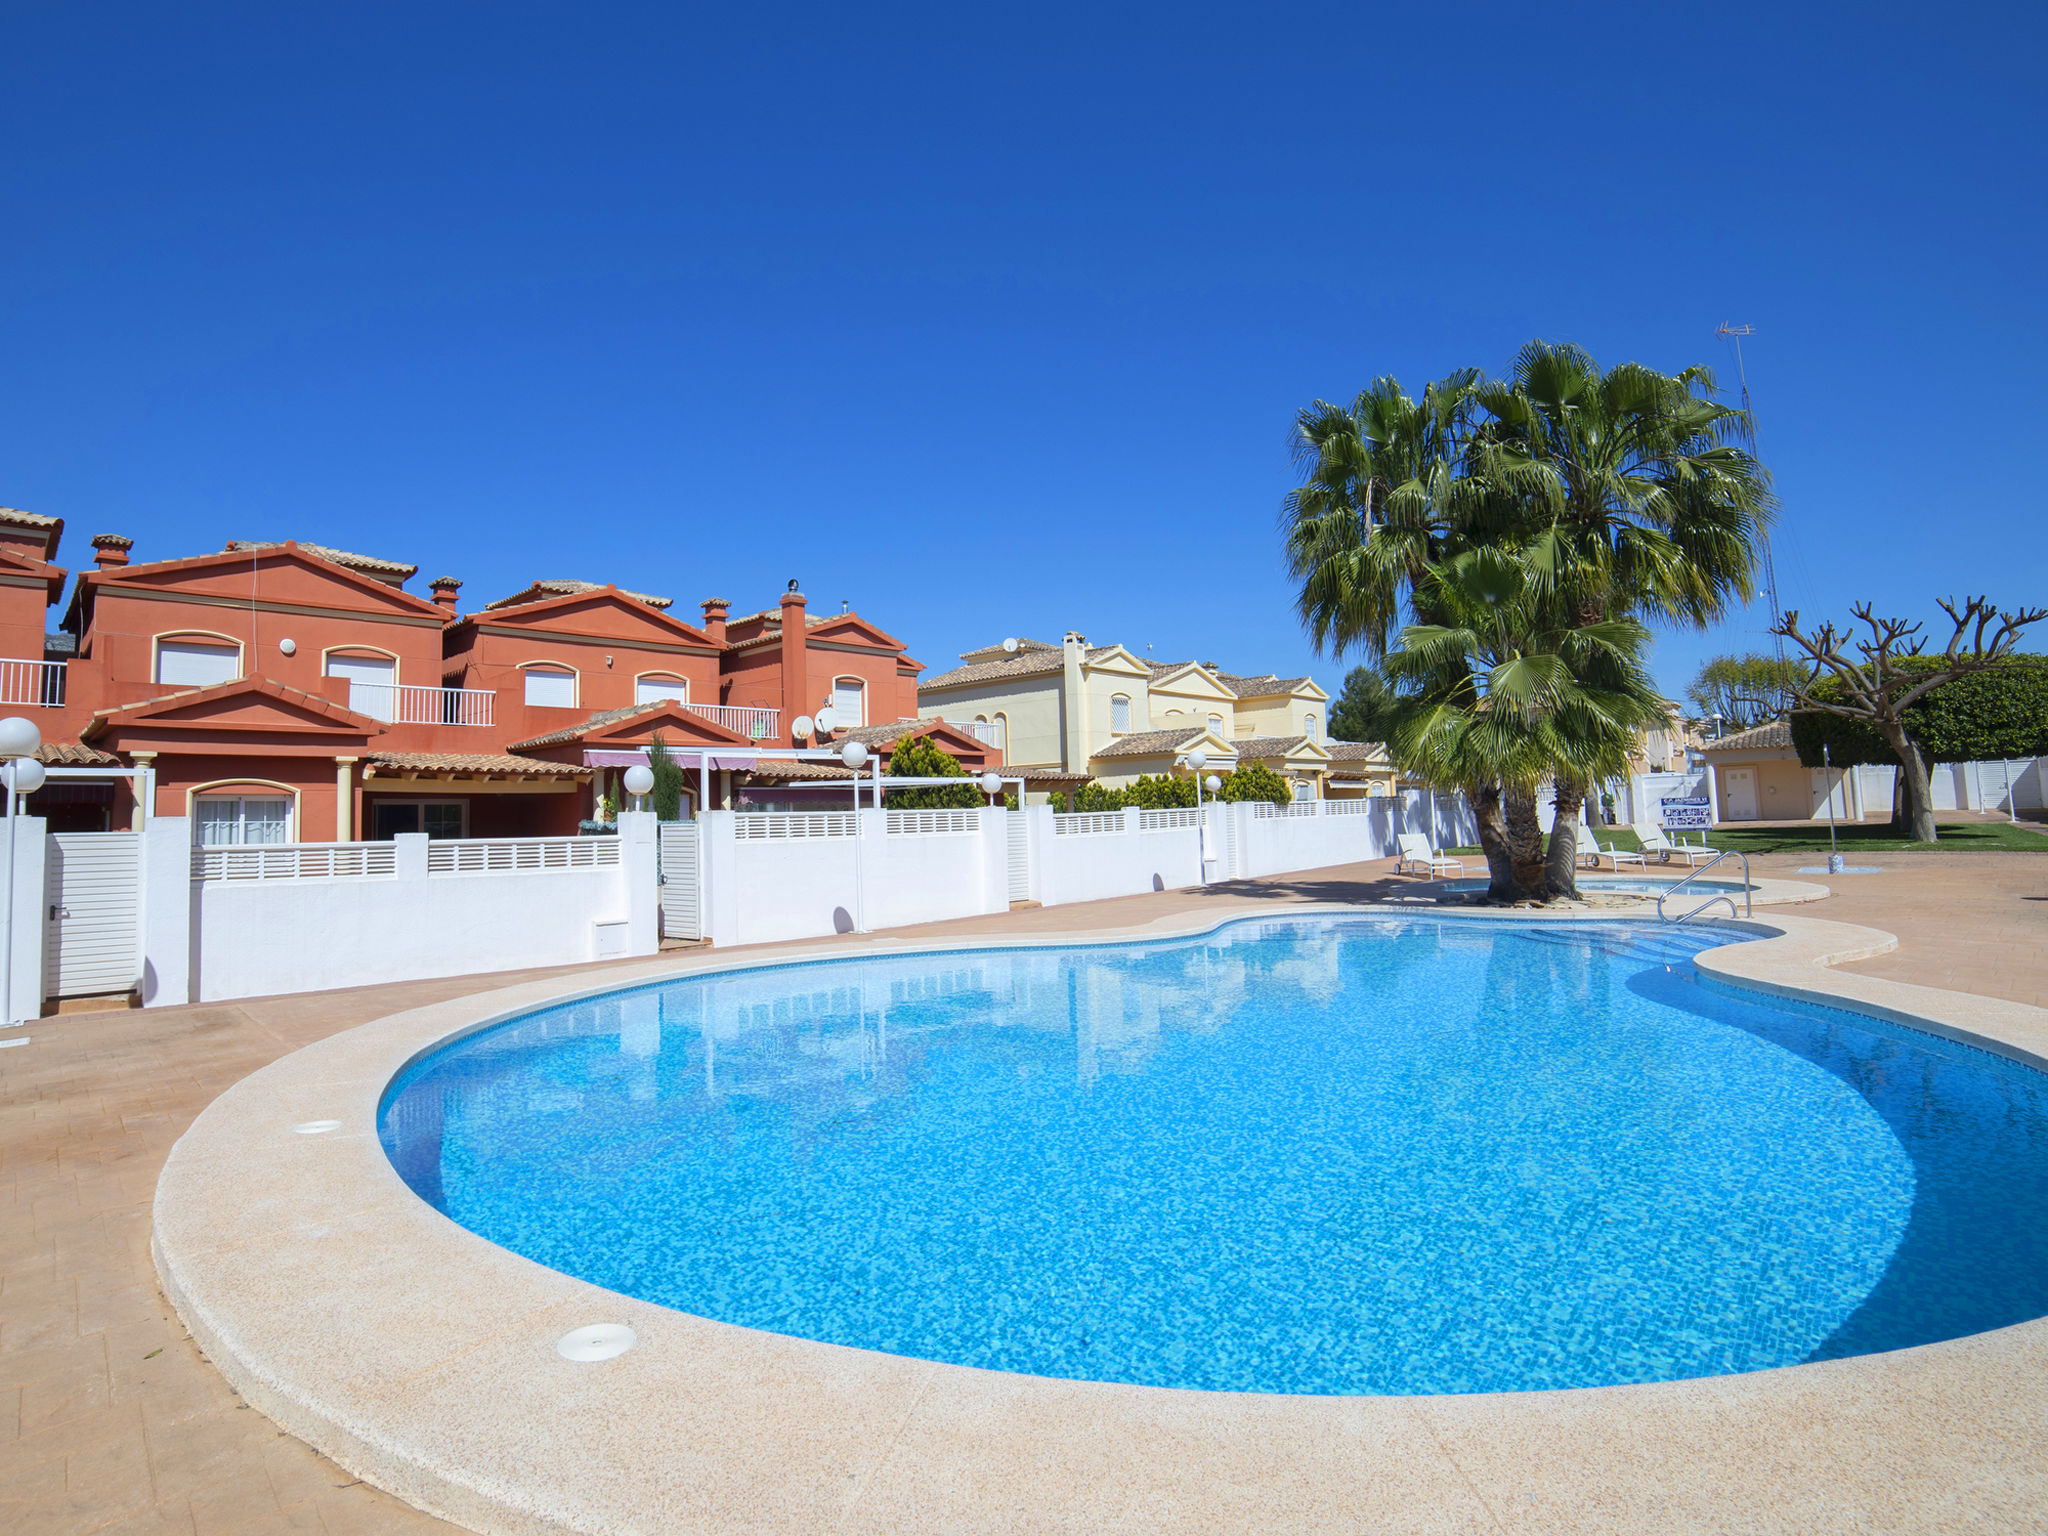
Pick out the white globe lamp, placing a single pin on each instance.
(991, 785)
(19, 737)
(24, 775)
(639, 783)
(1197, 760)
(855, 755)
(1212, 783)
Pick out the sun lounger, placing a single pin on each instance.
(1417, 857)
(1654, 841)
(1590, 849)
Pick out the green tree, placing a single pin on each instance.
(914, 757)
(1626, 493)
(670, 777)
(1890, 674)
(1360, 713)
(2001, 713)
(1100, 797)
(1160, 792)
(1509, 689)
(1745, 690)
(1254, 781)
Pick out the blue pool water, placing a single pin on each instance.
(1319, 1155)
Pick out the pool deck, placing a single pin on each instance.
(112, 1420)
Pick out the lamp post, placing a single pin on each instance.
(1827, 778)
(855, 755)
(639, 783)
(23, 775)
(1196, 761)
(991, 784)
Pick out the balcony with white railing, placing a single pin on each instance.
(39, 683)
(411, 704)
(749, 720)
(987, 732)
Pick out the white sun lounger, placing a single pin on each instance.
(1417, 857)
(1654, 841)
(1590, 849)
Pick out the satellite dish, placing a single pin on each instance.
(800, 727)
(1010, 645)
(826, 721)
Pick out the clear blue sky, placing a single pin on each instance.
(993, 320)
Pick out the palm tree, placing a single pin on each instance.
(1510, 688)
(1637, 491)
(1379, 480)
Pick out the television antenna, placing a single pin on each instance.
(1735, 333)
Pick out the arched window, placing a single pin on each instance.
(372, 681)
(550, 687)
(1119, 712)
(1308, 726)
(1002, 725)
(244, 815)
(849, 702)
(653, 687)
(1216, 725)
(197, 661)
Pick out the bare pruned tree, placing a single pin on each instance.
(1877, 689)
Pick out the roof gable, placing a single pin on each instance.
(604, 613)
(229, 574)
(1114, 658)
(18, 563)
(1190, 679)
(851, 629)
(637, 726)
(252, 708)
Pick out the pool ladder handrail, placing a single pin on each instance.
(1748, 907)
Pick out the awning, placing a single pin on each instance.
(634, 757)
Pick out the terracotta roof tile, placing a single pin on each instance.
(71, 754)
(1151, 743)
(562, 587)
(28, 519)
(1758, 738)
(485, 763)
(368, 564)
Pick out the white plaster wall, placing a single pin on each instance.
(25, 995)
(1092, 866)
(265, 937)
(761, 891)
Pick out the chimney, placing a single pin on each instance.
(715, 610)
(796, 682)
(1074, 685)
(110, 550)
(445, 589)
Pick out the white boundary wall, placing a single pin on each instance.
(760, 888)
(206, 940)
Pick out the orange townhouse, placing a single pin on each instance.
(279, 691)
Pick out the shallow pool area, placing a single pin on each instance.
(1312, 1155)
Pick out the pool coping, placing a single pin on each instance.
(422, 1358)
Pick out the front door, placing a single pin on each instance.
(1738, 794)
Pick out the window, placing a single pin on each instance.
(1119, 712)
(1308, 726)
(1304, 791)
(1002, 725)
(1216, 725)
(197, 663)
(551, 687)
(849, 702)
(372, 683)
(652, 690)
(436, 818)
(233, 821)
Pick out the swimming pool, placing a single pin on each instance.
(1649, 886)
(1311, 1155)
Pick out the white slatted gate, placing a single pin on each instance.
(682, 881)
(92, 931)
(1020, 856)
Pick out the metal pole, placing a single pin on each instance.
(1827, 770)
(8, 969)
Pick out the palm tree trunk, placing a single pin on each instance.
(1525, 842)
(1563, 860)
(1493, 842)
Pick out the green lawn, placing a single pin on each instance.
(1858, 839)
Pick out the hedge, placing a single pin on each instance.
(1986, 715)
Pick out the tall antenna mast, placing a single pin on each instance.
(1735, 333)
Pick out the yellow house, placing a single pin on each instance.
(1359, 768)
(1074, 708)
